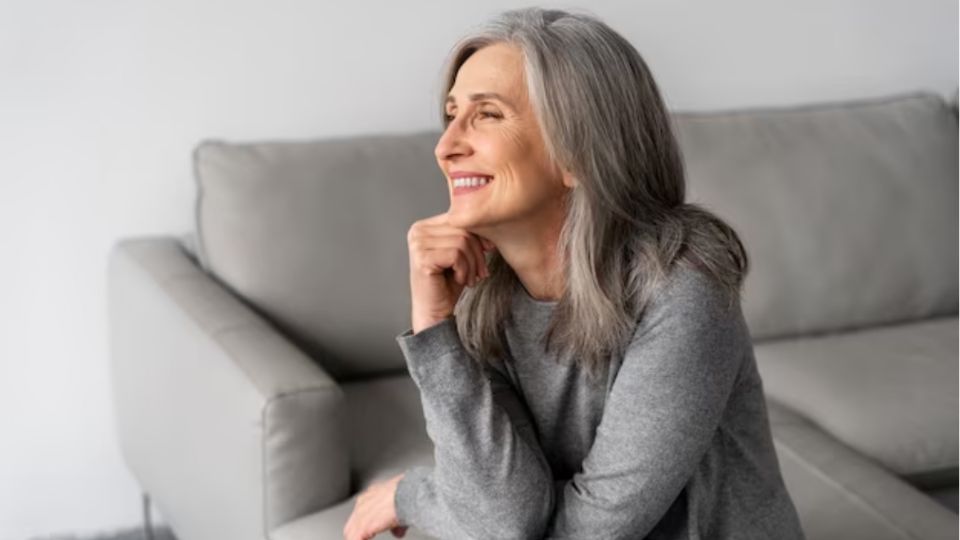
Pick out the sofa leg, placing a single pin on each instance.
(147, 526)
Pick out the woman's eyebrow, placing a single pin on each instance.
(479, 96)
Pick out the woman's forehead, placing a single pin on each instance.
(495, 69)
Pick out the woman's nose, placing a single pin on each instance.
(453, 142)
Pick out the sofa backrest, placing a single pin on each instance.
(848, 212)
(313, 234)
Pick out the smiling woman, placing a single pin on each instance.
(577, 339)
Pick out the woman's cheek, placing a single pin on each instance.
(518, 142)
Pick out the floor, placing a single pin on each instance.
(159, 533)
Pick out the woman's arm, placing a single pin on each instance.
(490, 478)
(662, 412)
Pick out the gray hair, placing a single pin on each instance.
(626, 225)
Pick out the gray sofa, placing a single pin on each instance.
(258, 386)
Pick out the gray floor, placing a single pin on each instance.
(159, 533)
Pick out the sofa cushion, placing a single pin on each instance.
(947, 496)
(848, 211)
(842, 494)
(313, 235)
(888, 392)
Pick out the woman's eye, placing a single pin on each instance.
(483, 114)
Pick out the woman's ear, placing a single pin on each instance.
(568, 179)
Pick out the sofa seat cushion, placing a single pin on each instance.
(947, 496)
(840, 493)
(889, 392)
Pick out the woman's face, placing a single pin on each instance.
(493, 132)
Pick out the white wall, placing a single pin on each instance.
(102, 101)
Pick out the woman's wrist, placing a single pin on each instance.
(422, 323)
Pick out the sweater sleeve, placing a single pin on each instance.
(662, 411)
(490, 478)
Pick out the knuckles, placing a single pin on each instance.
(423, 260)
(412, 233)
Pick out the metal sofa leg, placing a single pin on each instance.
(147, 526)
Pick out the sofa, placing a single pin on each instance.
(258, 387)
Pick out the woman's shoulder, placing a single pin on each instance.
(691, 316)
(690, 296)
(685, 282)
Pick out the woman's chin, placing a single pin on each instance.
(463, 218)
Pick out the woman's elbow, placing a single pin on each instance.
(531, 517)
(534, 525)
(522, 516)
(518, 523)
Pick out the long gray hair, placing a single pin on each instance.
(626, 225)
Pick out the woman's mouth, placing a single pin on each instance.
(470, 184)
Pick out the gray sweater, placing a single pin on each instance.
(673, 442)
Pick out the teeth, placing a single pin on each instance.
(470, 182)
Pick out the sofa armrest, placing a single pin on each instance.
(840, 493)
(229, 427)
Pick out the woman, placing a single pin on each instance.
(583, 362)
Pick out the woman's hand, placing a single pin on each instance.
(374, 512)
(443, 260)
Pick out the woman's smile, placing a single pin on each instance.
(464, 185)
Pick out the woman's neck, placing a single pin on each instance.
(531, 252)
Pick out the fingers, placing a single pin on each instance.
(451, 255)
(480, 258)
(357, 523)
(456, 249)
(435, 254)
(435, 233)
(374, 512)
(468, 245)
(465, 260)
